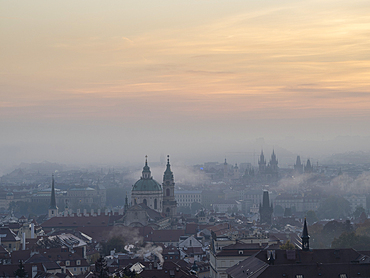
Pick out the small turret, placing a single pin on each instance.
(146, 174)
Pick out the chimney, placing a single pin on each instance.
(32, 230)
(98, 211)
(120, 212)
(85, 212)
(92, 212)
(34, 271)
(78, 212)
(24, 241)
(106, 211)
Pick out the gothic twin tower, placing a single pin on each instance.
(158, 197)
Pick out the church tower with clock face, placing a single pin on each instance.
(168, 185)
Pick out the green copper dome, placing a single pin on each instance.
(146, 185)
(146, 182)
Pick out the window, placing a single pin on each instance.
(78, 262)
(67, 263)
(155, 203)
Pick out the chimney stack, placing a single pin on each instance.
(32, 230)
(24, 241)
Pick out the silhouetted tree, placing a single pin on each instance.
(334, 207)
(287, 246)
(351, 240)
(311, 217)
(20, 272)
(101, 269)
(358, 212)
(117, 242)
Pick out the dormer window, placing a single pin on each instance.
(240, 252)
(67, 263)
(78, 262)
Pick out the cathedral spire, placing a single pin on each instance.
(53, 203)
(53, 209)
(305, 237)
(168, 175)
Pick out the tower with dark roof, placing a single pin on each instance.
(298, 166)
(53, 209)
(262, 163)
(305, 237)
(266, 209)
(169, 202)
(308, 168)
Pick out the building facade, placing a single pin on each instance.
(148, 191)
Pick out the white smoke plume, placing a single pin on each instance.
(149, 250)
(130, 235)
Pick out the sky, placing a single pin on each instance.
(113, 81)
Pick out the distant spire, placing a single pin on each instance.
(146, 174)
(53, 203)
(126, 203)
(168, 175)
(305, 237)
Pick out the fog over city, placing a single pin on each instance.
(184, 139)
(92, 83)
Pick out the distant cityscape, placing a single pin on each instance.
(220, 215)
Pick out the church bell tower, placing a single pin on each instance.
(53, 209)
(169, 202)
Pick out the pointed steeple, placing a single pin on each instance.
(53, 203)
(146, 174)
(298, 161)
(305, 237)
(53, 209)
(168, 175)
(262, 158)
(126, 204)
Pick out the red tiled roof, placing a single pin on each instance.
(80, 221)
(164, 236)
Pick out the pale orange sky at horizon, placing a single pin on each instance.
(193, 63)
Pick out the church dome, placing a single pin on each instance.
(147, 185)
(146, 182)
